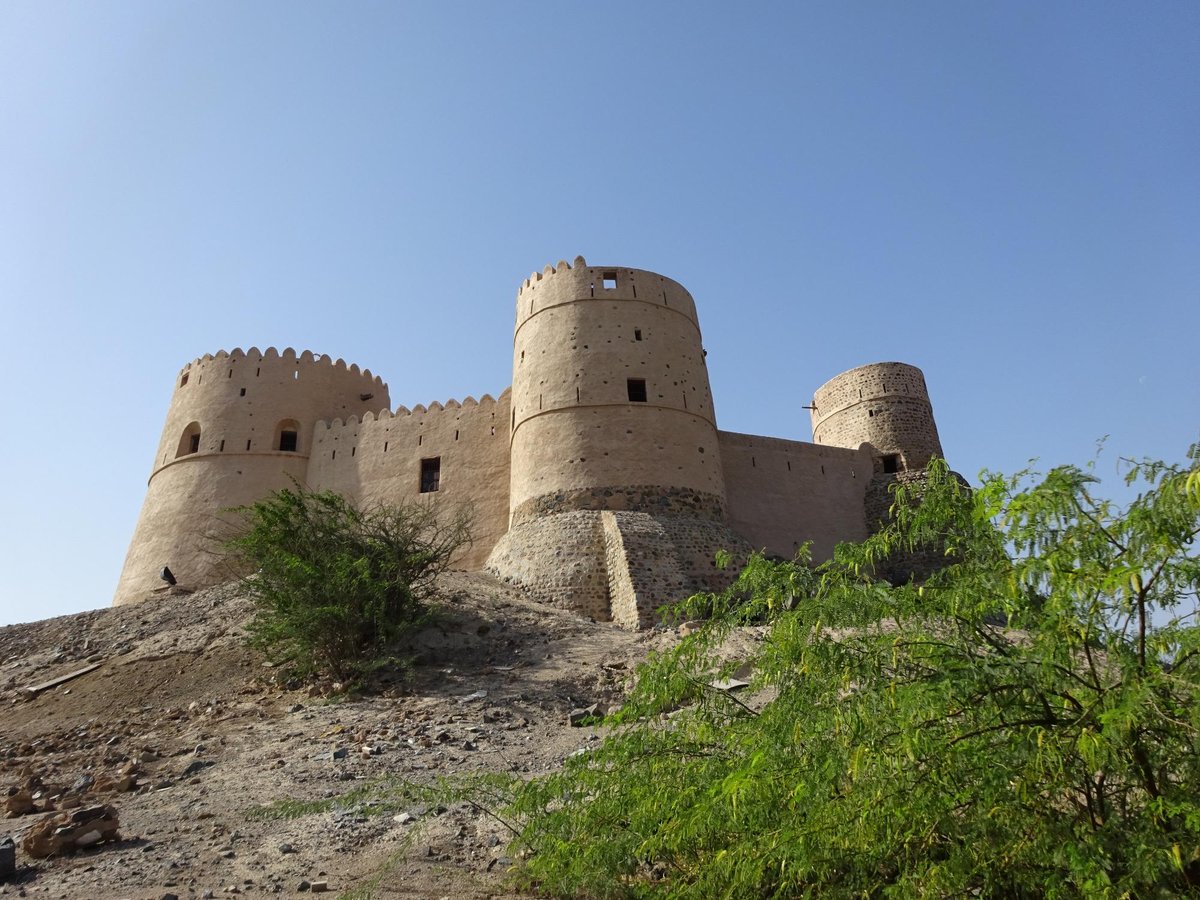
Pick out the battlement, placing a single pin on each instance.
(567, 283)
(468, 405)
(288, 357)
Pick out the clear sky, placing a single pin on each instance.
(1006, 195)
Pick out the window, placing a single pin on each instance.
(431, 474)
(637, 334)
(189, 441)
(287, 436)
(637, 390)
(183, 380)
(610, 281)
(891, 463)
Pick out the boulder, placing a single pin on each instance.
(71, 831)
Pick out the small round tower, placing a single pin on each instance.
(883, 404)
(611, 407)
(239, 426)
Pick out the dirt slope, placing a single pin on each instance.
(194, 723)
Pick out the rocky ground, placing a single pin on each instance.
(187, 734)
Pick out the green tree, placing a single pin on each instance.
(336, 586)
(1023, 724)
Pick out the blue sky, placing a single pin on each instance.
(1007, 196)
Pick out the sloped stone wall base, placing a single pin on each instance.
(615, 566)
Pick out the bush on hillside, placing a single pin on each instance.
(337, 586)
(1026, 723)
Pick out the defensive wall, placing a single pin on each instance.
(599, 482)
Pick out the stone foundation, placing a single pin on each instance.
(615, 565)
(652, 499)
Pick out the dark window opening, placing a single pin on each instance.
(288, 441)
(365, 397)
(610, 281)
(352, 450)
(247, 445)
(222, 447)
(230, 375)
(385, 443)
(637, 334)
(456, 434)
(183, 380)
(194, 444)
(431, 474)
(243, 393)
(891, 463)
(637, 390)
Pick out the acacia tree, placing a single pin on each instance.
(336, 585)
(1023, 724)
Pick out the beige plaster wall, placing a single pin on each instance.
(238, 401)
(378, 460)
(885, 404)
(576, 345)
(782, 493)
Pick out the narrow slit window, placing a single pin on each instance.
(183, 380)
(431, 474)
(247, 445)
(194, 444)
(610, 281)
(221, 449)
(637, 334)
(637, 390)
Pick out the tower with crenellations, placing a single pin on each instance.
(239, 426)
(600, 482)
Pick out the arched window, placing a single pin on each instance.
(189, 441)
(287, 436)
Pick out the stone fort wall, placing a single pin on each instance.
(378, 459)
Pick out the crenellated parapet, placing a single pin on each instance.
(577, 282)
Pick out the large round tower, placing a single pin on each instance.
(611, 413)
(883, 404)
(239, 426)
(611, 407)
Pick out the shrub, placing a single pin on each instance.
(1026, 723)
(336, 586)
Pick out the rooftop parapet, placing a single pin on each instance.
(574, 282)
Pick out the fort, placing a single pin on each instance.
(599, 482)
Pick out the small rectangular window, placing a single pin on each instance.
(891, 463)
(194, 444)
(243, 393)
(637, 390)
(287, 441)
(610, 281)
(431, 474)
(637, 334)
(183, 380)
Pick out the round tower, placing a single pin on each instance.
(616, 491)
(611, 407)
(239, 426)
(885, 405)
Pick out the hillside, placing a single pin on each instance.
(194, 724)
